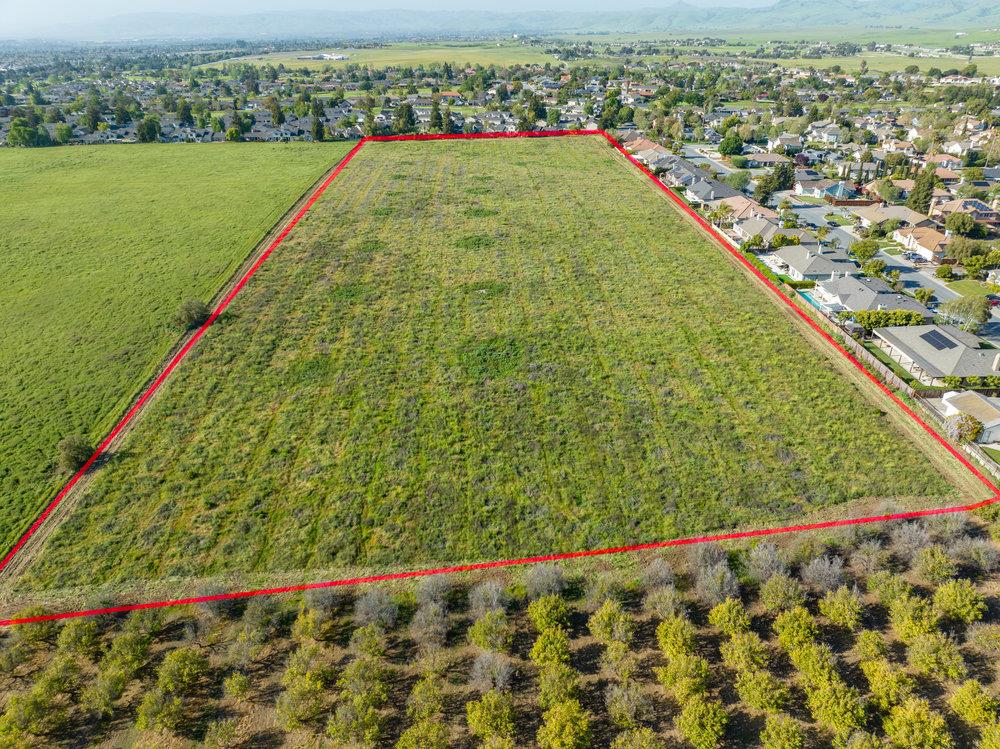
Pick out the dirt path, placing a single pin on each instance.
(33, 547)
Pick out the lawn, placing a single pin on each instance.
(971, 287)
(466, 351)
(98, 247)
(412, 54)
(838, 219)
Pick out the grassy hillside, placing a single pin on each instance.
(885, 634)
(467, 350)
(98, 248)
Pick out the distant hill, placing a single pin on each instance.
(384, 24)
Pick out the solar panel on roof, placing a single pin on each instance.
(936, 339)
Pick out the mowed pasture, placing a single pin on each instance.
(98, 248)
(481, 349)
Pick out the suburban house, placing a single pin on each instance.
(932, 352)
(820, 188)
(980, 211)
(768, 230)
(984, 410)
(759, 160)
(742, 207)
(874, 215)
(945, 160)
(814, 263)
(787, 141)
(925, 241)
(706, 190)
(856, 293)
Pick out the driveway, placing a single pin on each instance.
(698, 154)
(815, 215)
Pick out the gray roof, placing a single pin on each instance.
(816, 261)
(862, 293)
(951, 352)
(711, 189)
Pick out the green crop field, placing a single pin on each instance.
(411, 54)
(480, 349)
(98, 247)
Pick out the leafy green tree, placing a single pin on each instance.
(836, 706)
(761, 690)
(889, 684)
(74, 452)
(192, 314)
(795, 627)
(675, 636)
(781, 592)
(684, 676)
(159, 711)
(64, 132)
(436, 122)
(637, 738)
(702, 722)
(148, 131)
(781, 732)
(551, 646)
(842, 607)
(492, 716)
(973, 704)
(971, 311)
(548, 612)
(961, 224)
(935, 655)
(913, 725)
(912, 616)
(404, 120)
(181, 670)
(424, 734)
(923, 295)
(610, 623)
(557, 682)
(492, 631)
(732, 144)
(79, 637)
(565, 725)
(934, 564)
(744, 651)
(864, 249)
(923, 190)
(958, 600)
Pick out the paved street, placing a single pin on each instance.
(696, 155)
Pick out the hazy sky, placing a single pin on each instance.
(19, 16)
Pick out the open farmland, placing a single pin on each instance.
(98, 247)
(477, 349)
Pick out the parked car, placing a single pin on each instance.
(993, 299)
(833, 224)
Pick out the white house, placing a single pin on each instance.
(984, 410)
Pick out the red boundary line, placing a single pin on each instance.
(182, 353)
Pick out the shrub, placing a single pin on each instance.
(889, 684)
(870, 645)
(545, 580)
(610, 624)
(781, 732)
(914, 724)
(836, 706)
(985, 638)
(934, 565)
(429, 626)
(79, 637)
(492, 631)
(909, 538)
(823, 573)
(491, 671)
(433, 589)
(625, 703)
(618, 662)
(842, 607)
(978, 553)
(663, 602)
(551, 646)
(74, 452)
(744, 651)
(181, 670)
(781, 593)
(376, 607)
(308, 625)
(557, 683)
(368, 640)
(192, 314)
(716, 583)
(937, 656)
(301, 701)
(424, 734)
(603, 587)
(795, 627)
(324, 601)
(684, 676)
(815, 662)
(637, 738)
(675, 636)
(764, 561)
(658, 574)
(159, 711)
(100, 696)
(912, 616)
(974, 705)
(761, 690)
(487, 596)
(958, 600)
(491, 716)
(887, 587)
(355, 721)
(223, 734)
(236, 686)
(869, 557)
(730, 617)
(129, 651)
(548, 612)
(565, 725)
(702, 722)
(426, 700)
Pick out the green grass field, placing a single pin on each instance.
(467, 351)
(458, 53)
(98, 247)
